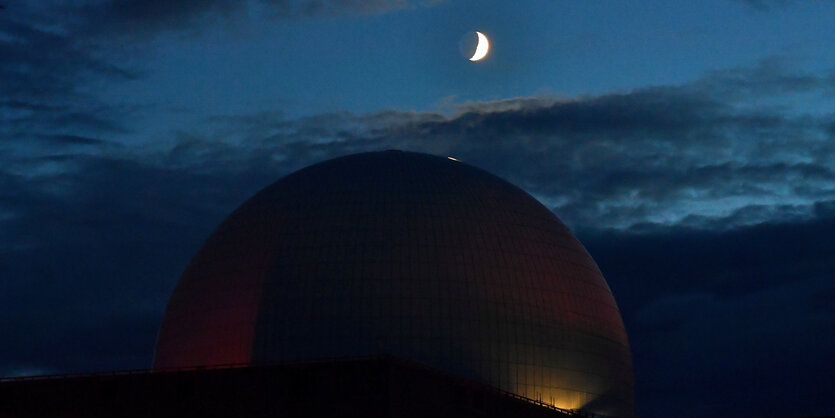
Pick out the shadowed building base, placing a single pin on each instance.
(368, 387)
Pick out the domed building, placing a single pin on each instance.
(418, 256)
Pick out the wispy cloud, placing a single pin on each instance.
(765, 5)
(697, 154)
(148, 17)
(46, 93)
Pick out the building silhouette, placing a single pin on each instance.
(383, 284)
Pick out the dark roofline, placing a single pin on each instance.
(297, 363)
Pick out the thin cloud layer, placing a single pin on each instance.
(660, 156)
(148, 17)
(57, 57)
(765, 5)
(47, 93)
(679, 155)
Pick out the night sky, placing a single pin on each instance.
(690, 145)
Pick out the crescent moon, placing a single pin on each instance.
(482, 48)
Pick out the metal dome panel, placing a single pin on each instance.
(413, 255)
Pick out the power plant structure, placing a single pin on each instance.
(421, 285)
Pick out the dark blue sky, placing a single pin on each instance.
(690, 146)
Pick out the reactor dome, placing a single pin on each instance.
(413, 255)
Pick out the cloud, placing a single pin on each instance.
(92, 248)
(767, 341)
(738, 312)
(698, 154)
(47, 78)
(765, 5)
(57, 55)
(70, 140)
(711, 217)
(702, 154)
(42, 61)
(148, 17)
(772, 76)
